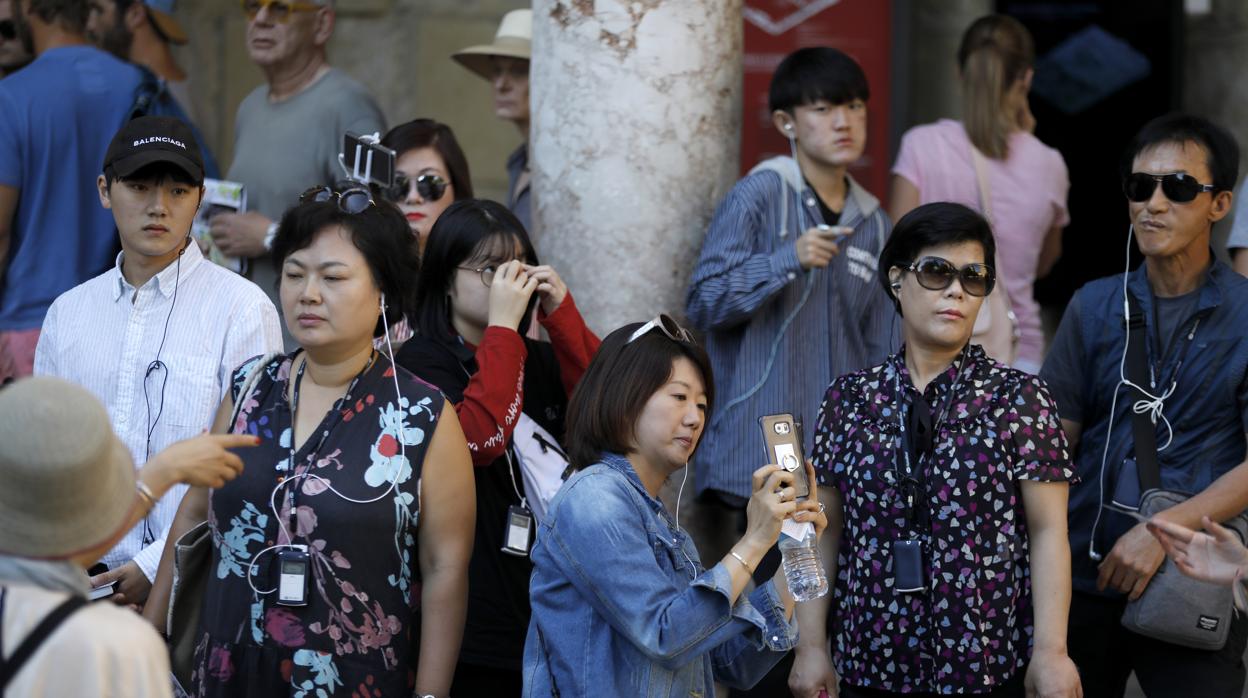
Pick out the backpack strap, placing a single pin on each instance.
(1143, 430)
(9, 667)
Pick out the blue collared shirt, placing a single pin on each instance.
(752, 298)
(1207, 410)
(623, 607)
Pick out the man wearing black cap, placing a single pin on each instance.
(157, 337)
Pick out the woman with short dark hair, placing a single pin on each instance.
(945, 475)
(317, 576)
(474, 300)
(430, 173)
(621, 603)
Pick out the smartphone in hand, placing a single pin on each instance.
(782, 436)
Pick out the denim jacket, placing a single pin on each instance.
(623, 607)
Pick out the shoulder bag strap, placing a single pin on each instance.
(249, 383)
(982, 187)
(9, 667)
(1143, 431)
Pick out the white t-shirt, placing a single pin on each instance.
(101, 651)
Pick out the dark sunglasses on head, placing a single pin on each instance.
(8, 30)
(350, 200)
(665, 324)
(1178, 187)
(430, 187)
(936, 274)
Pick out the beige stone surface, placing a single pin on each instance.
(635, 139)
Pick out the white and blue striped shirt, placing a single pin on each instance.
(748, 282)
(104, 335)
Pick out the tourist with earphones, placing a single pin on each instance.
(341, 552)
(474, 298)
(622, 605)
(785, 284)
(945, 476)
(157, 336)
(1190, 312)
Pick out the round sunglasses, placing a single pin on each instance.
(350, 200)
(430, 187)
(1178, 187)
(937, 274)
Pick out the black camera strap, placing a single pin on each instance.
(1143, 430)
(13, 664)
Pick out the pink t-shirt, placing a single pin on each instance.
(1028, 192)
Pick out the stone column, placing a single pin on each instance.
(635, 139)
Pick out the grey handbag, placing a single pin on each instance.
(1175, 608)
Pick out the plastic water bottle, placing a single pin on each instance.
(802, 567)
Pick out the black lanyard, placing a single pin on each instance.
(914, 482)
(291, 470)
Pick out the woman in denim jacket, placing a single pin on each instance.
(621, 603)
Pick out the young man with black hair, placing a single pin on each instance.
(157, 337)
(785, 286)
(1193, 319)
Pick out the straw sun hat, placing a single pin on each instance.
(514, 39)
(68, 481)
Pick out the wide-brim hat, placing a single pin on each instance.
(514, 39)
(69, 482)
(161, 13)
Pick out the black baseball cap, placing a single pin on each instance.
(148, 139)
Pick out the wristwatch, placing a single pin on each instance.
(268, 245)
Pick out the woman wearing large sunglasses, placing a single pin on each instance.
(945, 476)
(430, 171)
(622, 605)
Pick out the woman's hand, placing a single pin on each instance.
(200, 461)
(509, 294)
(771, 503)
(1052, 675)
(549, 286)
(1219, 558)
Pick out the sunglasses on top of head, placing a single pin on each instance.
(937, 274)
(1177, 186)
(665, 324)
(429, 186)
(351, 199)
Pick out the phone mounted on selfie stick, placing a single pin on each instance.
(366, 161)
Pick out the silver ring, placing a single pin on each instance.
(820, 507)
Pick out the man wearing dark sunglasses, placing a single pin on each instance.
(288, 131)
(55, 125)
(13, 53)
(1190, 313)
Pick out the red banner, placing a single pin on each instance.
(776, 28)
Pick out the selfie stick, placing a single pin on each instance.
(353, 173)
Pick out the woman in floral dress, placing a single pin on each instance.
(945, 476)
(357, 463)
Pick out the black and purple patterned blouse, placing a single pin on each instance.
(972, 628)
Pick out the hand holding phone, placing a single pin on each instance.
(834, 232)
(103, 591)
(816, 247)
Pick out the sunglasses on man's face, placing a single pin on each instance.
(350, 200)
(665, 324)
(1178, 187)
(937, 274)
(8, 30)
(430, 187)
(280, 11)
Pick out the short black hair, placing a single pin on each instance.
(427, 133)
(467, 230)
(938, 223)
(68, 14)
(811, 74)
(604, 408)
(379, 232)
(158, 171)
(1221, 150)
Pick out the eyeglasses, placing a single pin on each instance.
(486, 272)
(430, 187)
(8, 29)
(936, 274)
(1178, 187)
(350, 200)
(665, 324)
(280, 11)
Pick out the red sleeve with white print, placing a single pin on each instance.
(573, 342)
(495, 394)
